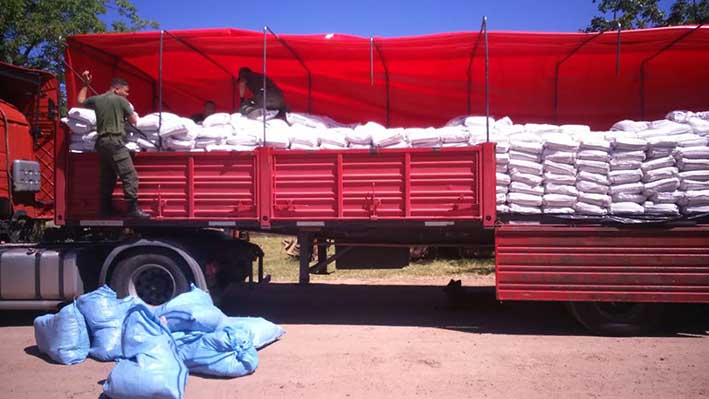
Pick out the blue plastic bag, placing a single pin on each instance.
(151, 368)
(191, 311)
(63, 336)
(263, 331)
(104, 314)
(227, 352)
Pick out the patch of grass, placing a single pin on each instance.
(284, 268)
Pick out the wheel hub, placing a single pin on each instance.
(152, 283)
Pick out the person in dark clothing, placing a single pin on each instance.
(112, 109)
(254, 82)
(209, 108)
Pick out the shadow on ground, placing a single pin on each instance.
(476, 310)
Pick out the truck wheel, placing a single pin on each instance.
(154, 278)
(617, 318)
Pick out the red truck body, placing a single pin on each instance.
(30, 104)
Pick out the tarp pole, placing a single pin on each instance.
(643, 65)
(302, 63)
(557, 71)
(371, 62)
(386, 80)
(160, 83)
(469, 71)
(617, 53)
(263, 109)
(487, 83)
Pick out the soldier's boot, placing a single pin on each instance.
(134, 211)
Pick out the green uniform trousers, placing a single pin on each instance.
(115, 161)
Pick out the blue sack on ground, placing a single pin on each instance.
(227, 352)
(63, 336)
(191, 311)
(264, 332)
(104, 314)
(151, 368)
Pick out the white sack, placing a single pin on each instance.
(686, 185)
(559, 168)
(699, 175)
(519, 166)
(518, 187)
(524, 156)
(694, 198)
(563, 189)
(692, 152)
(453, 135)
(559, 179)
(670, 184)
(532, 180)
(659, 174)
(527, 146)
(593, 155)
(559, 156)
(627, 208)
(216, 119)
(686, 164)
(524, 210)
(593, 177)
(593, 166)
(85, 115)
(618, 177)
(630, 188)
(590, 209)
(595, 144)
(628, 155)
(672, 197)
(502, 179)
(601, 200)
(585, 186)
(630, 126)
(558, 200)
(502, 159)
(617, 164)
(558, 210)
(661, 209)
(657, 164)
(524, 199)
(629, 144)
(336, 137)
(629, 197)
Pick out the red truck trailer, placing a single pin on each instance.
(610, 275)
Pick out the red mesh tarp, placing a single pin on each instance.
(418, 81)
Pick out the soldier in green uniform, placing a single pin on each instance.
(112, 109)
(254, 82)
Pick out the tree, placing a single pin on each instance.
(34, 31)
(639, 14)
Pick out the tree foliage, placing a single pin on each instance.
(639, 14)
(34, 31)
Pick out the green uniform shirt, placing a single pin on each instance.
(111, 109)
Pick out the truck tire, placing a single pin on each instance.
(153, 277)
(617, 318)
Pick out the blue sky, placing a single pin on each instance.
(373, 18)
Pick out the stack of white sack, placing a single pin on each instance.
(526, 172)
(626, 172)
(213, 133)
(169, 129)
(82, 123)
(560, 172)
(693, 166)
(247, 133)
(502, 176)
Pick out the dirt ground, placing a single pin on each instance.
(401, 339)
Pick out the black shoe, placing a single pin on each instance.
(135, 212)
